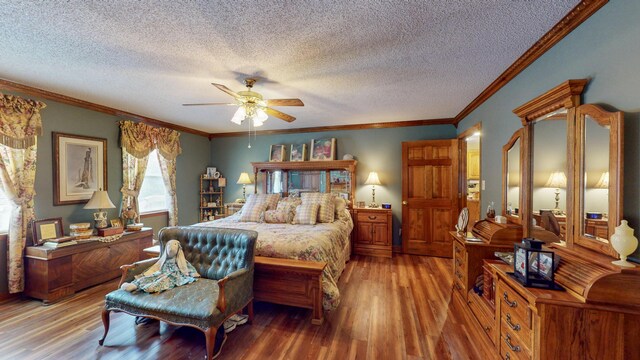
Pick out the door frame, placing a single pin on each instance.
(462, 167)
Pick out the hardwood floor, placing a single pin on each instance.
(400, 308)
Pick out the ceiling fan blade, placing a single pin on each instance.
(208, 104)
(279, 115)
(226, 89)
(285, 102)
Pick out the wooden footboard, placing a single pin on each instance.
(290, 282)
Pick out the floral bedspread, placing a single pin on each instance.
(328, 242)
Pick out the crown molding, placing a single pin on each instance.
(572, 20)
(379, 125)
(33, 91)
(565, 95)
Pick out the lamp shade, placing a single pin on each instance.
(244, 179)
(603, 182)
(557, 179)
(99, 200)
(373, 179)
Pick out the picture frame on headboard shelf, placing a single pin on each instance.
(277, 153)
(45, 229)
(323, 149)
(298, 152)
(79, 169)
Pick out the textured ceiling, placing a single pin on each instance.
(350, 62)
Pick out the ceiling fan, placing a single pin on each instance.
(251, 105)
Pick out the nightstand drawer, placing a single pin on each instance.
(372, 217)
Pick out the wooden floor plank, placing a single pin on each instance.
(399, 308)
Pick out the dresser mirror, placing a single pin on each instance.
(512, 173)
(549, 174)
(599, 174)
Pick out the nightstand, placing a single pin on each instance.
(373, 231)
(232, 208)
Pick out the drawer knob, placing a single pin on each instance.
(507, 356)
(457, 286)
(458, 262)
(515, 327)
(487, 328)
(459, 275)
(515, 348)
(372, 217)
(510, 303)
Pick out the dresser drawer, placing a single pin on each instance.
(372, 217)
(513, 304)
(483, 314)
(512, 346)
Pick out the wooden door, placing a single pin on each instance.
(429, 196)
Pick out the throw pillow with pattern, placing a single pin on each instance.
(326, 214)
(270, 199)
(276, 217)
(289, 205)
(253, 212)
(306, 214)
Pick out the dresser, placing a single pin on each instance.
(51, 274)
(373, 231)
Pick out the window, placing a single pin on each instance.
(153, 194)
(5, 212)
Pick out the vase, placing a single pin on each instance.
(491, 211)
(624, 243)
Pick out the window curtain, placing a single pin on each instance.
(138, 140)
(20, 124)
(168, 145)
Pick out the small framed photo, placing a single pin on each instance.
(360, 204)
(79, 169)
(277, 153)
(323, 149)
(298, 152)
(222, 182)
(46, 229)
(211, 171)
(116, 223)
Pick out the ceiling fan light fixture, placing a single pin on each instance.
(260, 117)
(239, 116)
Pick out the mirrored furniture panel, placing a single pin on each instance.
(598, 176)
(291, 178)
(512, 153)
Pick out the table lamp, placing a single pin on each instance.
(557, 180)
(373, 180)
(603, 182)
(100, 200)
(244, 180)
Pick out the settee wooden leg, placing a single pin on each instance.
(250, 312)
(210, 339)
(105, 322)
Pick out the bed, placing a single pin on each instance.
(307, 246)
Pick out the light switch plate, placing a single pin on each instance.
(483, 185)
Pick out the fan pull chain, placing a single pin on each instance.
(249, 134)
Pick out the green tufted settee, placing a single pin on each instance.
(224, 258)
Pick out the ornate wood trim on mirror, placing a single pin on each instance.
(566, 95)
(516, 139)
(613, 123)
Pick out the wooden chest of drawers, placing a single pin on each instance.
(515, 323)
(51, 274)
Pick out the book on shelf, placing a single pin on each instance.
(55, 245)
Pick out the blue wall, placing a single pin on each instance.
(375, 149)
(606, 49)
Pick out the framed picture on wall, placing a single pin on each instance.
(298, 152)
(277, 153)
(323, 149)
(79, 169)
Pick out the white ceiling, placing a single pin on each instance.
(351, 62)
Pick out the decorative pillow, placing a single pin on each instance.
(326, 214)
(289, 204)
(340, 204)
(270, 199)
(253, 212)
(306, 214)
(277, 217)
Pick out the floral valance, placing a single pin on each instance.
(139, 139)
(20, 121)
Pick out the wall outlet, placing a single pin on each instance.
(483, 185)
